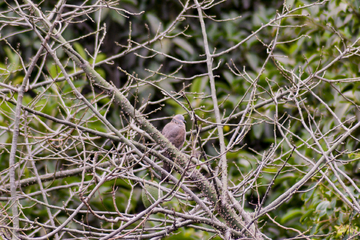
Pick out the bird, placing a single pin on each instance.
(175, 132)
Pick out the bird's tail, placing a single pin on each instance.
(167, 167)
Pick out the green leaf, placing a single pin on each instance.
(291, 214)
(150, 194)
(307, 214)
(79, 49)
(182, 43)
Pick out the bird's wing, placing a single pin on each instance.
(174, 133)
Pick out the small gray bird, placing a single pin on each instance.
(175, 131)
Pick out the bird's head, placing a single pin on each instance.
(180, 118)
